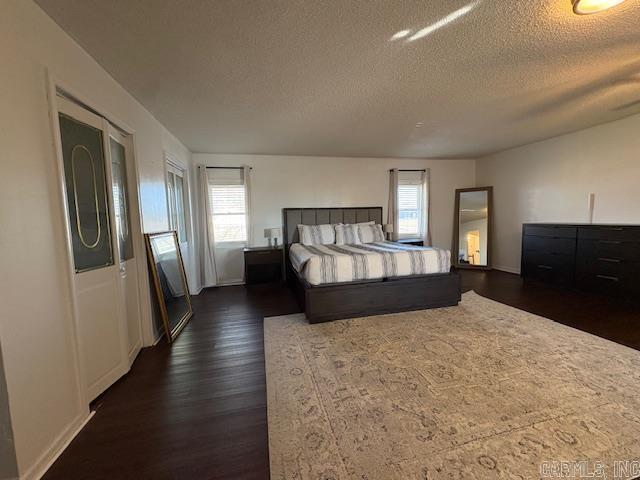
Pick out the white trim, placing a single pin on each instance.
(59, 445)
(133, 353)
(197, 291)
(159, 334)
(230, 283)
(174, 161)
(506, 269)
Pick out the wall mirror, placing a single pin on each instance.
(170, 281)
(472, 228)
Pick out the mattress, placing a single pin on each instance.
(322, 264)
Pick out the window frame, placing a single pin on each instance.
(173, 169)
(421, 210)
(230, 243)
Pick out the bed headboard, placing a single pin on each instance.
(292, 217)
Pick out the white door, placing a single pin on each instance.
(98, 307)
(125, 207)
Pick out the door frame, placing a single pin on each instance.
(54, 88)
(189, 182)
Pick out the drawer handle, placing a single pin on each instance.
(545, 267)
(612, 242)
(610, 260)
(615, 229)
(607, 277)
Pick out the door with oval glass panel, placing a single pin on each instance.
(93, 233)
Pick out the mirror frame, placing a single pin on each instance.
(456, 228)
(170, 334)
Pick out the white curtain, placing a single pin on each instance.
(426, 196)
(208, 273)
(392, 209)
(246, 175)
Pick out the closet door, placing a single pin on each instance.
(99, 312)
(125, 208)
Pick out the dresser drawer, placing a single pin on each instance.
(557, 269)
(550, 245)
(612, 234)
(609, 267)
(263, 257)
(609, 249)
(557, 231)
(607, 276)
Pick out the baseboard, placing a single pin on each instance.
(44, 462)
(506, 269)
(159, 336)
(133, 354)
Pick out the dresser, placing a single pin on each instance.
(598, 258)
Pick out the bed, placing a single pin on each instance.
(416, 278)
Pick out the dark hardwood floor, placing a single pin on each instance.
(197, 410)
(599, 315)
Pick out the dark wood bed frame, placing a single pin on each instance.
(323, 303)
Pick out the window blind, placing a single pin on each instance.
(410, 204)
(227, 199)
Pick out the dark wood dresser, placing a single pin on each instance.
(599, 258)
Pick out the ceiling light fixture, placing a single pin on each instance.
(587, 7)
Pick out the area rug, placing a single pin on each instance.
(481, 390)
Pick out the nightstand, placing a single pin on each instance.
(418, 242)
(263, 265)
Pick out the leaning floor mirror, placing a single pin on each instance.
(170, 281)
(472, 228)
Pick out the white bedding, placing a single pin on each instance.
(322, 264)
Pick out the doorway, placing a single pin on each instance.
(103, 224)
(473, 247)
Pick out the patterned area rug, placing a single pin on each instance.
(477, 391)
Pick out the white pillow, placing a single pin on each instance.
(317, 234)
(347, 235)
(370, 233)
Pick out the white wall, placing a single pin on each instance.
(550, 181)
(36, 323)
(287, 181)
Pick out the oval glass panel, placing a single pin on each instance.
(85, 189)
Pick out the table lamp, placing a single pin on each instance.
(272, 234)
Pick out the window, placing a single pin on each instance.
(227, 199)
(411, 204)
(176, 191)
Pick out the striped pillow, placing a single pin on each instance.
(347, 235)
(317, 234)
(370, 233)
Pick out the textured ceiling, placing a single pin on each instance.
(308, 77)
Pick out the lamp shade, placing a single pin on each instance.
(388, 228)
(272, 233)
